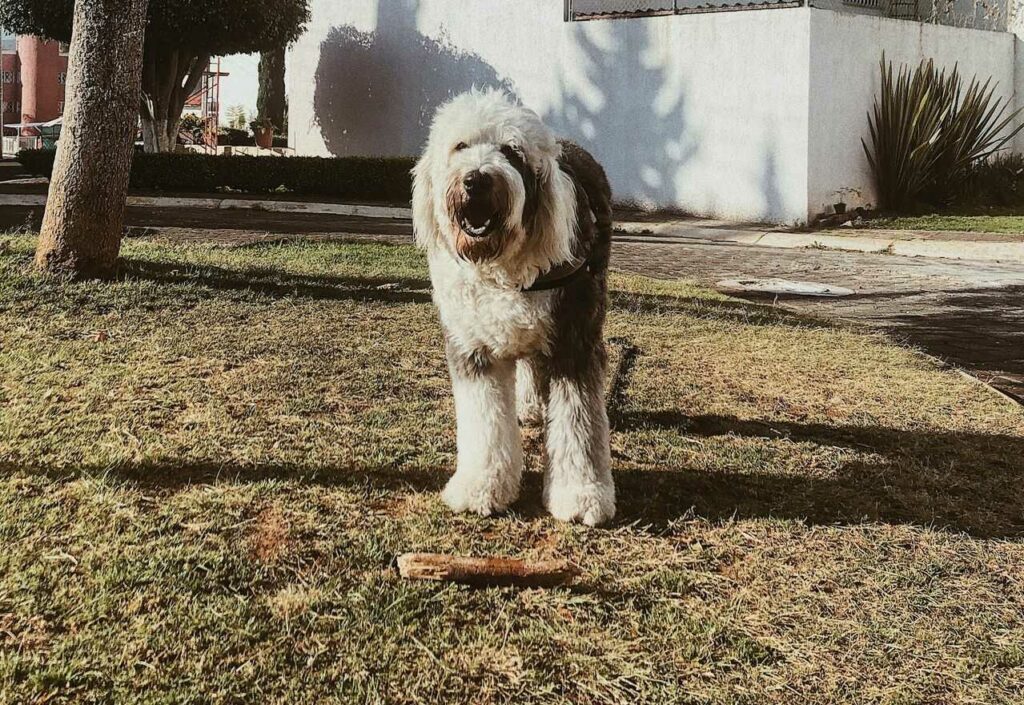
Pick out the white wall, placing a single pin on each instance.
(752, 115)
(707, 112)
(844, 78)
(977, 14)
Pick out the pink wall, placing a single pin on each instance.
(33, 81)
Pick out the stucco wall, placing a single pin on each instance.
(844, 78)
(707, 113)
(976, 14)
(744, 115)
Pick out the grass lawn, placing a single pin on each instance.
(208, 467)
(1007, 224)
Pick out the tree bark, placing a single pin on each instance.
(84, 218)
(169, 76)
(271, 102)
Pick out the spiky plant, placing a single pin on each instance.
(976, 127)
(926, 132)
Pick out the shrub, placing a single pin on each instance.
(354, 178)
(38, 162)
(231, 137)
(997, 181)
(927, 133)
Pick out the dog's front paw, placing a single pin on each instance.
(483, 495)
(592, 504)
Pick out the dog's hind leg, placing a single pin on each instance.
(490, 453)
(531, 391)
(578, 484)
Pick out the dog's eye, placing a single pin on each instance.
(461, 146)
(512, 153)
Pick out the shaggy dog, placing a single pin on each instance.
(517, 230)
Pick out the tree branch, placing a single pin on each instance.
(199, 67)
(486, 571)
(169, 74)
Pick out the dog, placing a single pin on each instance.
(516, 226)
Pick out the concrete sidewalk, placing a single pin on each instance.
(233, 203)
(984, 247)
(630, 227)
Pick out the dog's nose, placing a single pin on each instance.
(476, 182)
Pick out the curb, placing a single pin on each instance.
(1006, 252)
(364, 211)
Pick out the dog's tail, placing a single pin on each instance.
(591, 177)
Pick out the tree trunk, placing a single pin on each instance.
(271, 101)
(158, 135)
(84, 218)
(169, 77)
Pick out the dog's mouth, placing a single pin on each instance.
(478, 219)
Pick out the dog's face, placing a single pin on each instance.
(481, 176)
(489, 193)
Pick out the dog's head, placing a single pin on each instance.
(487, 178)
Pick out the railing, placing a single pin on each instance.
(578, 10)
(13, 145)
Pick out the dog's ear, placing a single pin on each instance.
(554, 216)
(423, 222)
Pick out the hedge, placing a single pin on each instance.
(351, 178)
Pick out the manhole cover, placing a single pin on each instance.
(781, 286)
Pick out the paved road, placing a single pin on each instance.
(969, 313)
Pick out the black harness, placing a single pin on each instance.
(559, 276)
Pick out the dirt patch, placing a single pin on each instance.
(271, 536)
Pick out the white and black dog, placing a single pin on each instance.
(517, 230)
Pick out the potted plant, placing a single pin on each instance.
(840, 205)
(263, 132)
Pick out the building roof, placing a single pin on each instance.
(594, 9)
(48, 123)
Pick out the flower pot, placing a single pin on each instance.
(840, 208)
(264, 137)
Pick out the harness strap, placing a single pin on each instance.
(560, 276)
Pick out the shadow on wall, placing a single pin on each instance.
(376, 92)
(774, 205)
(628, 114)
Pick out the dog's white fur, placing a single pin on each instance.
(482, 307)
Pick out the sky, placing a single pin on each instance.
(241, 86)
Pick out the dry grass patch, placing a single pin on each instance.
(203, 503)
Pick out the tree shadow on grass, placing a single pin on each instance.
(712, 309)
(273, 283)
(963, 482)
(967, 483)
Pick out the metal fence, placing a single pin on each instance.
(576, 10)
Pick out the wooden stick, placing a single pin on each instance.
(485, 571)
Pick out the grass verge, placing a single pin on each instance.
(207, 467)
(1005, 224)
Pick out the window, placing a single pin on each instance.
(64, 48)
(8, 43)
(9, 76)
(62, 78)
